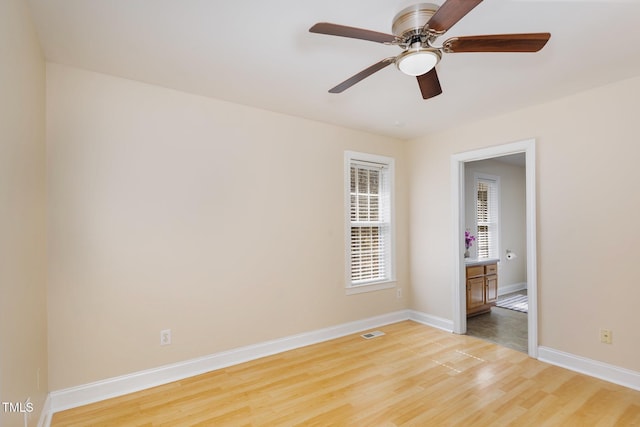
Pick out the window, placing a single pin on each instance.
(369, 221)
(487, 202)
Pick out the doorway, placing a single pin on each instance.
(526, 147)
(495, 222)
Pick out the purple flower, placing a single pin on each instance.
(468, 239)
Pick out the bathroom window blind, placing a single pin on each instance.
(487, 193)
(369, 223)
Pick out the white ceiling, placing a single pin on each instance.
(260, 53)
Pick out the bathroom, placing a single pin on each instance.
(495, 225)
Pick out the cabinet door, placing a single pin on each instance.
(475, 292)
(491, 288)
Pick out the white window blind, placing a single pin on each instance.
(369, 222)
(487, 194)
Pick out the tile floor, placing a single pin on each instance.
(501, 326)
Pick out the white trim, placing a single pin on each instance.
(457, 209)
(429, 320)
(378, 286)
(497, 232)
(594, 368)
(532, 248)
(118, 386)
(389, 164)
(61, 400)
(515, 287)
(458, 274)
(45, 413)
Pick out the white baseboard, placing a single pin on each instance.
(429, 320)
(515, 287)
(45, 413)
(61, 400)
(593, 368)
(100, 390)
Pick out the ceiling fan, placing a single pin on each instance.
(415, 29)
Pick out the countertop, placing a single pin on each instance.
(483, 261)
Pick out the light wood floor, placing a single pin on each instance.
(414, 375)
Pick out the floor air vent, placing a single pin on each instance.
(373, 334)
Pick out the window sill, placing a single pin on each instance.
(370, 287)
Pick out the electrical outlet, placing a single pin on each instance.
(606, 336)
(399, 293)
(165, 337)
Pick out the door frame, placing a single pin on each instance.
(528, 147)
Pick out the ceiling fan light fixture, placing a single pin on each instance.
(419, 61)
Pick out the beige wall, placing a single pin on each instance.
(23, 329)
(513, 232)
(587, 194)
(221, 222)
(225, 223)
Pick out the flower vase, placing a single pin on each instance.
(467, 254)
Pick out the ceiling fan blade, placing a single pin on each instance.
(361, 75)
(429, 84)
(351, 32)
(532, 42)
(449, 13)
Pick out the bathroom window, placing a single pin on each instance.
(369, 222)
(487, 215)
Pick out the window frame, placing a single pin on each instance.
(387, 164)
(494, 225)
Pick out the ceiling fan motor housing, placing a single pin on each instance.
(408, 25)
(409, 22)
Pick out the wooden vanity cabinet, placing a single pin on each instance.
(482, 288)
